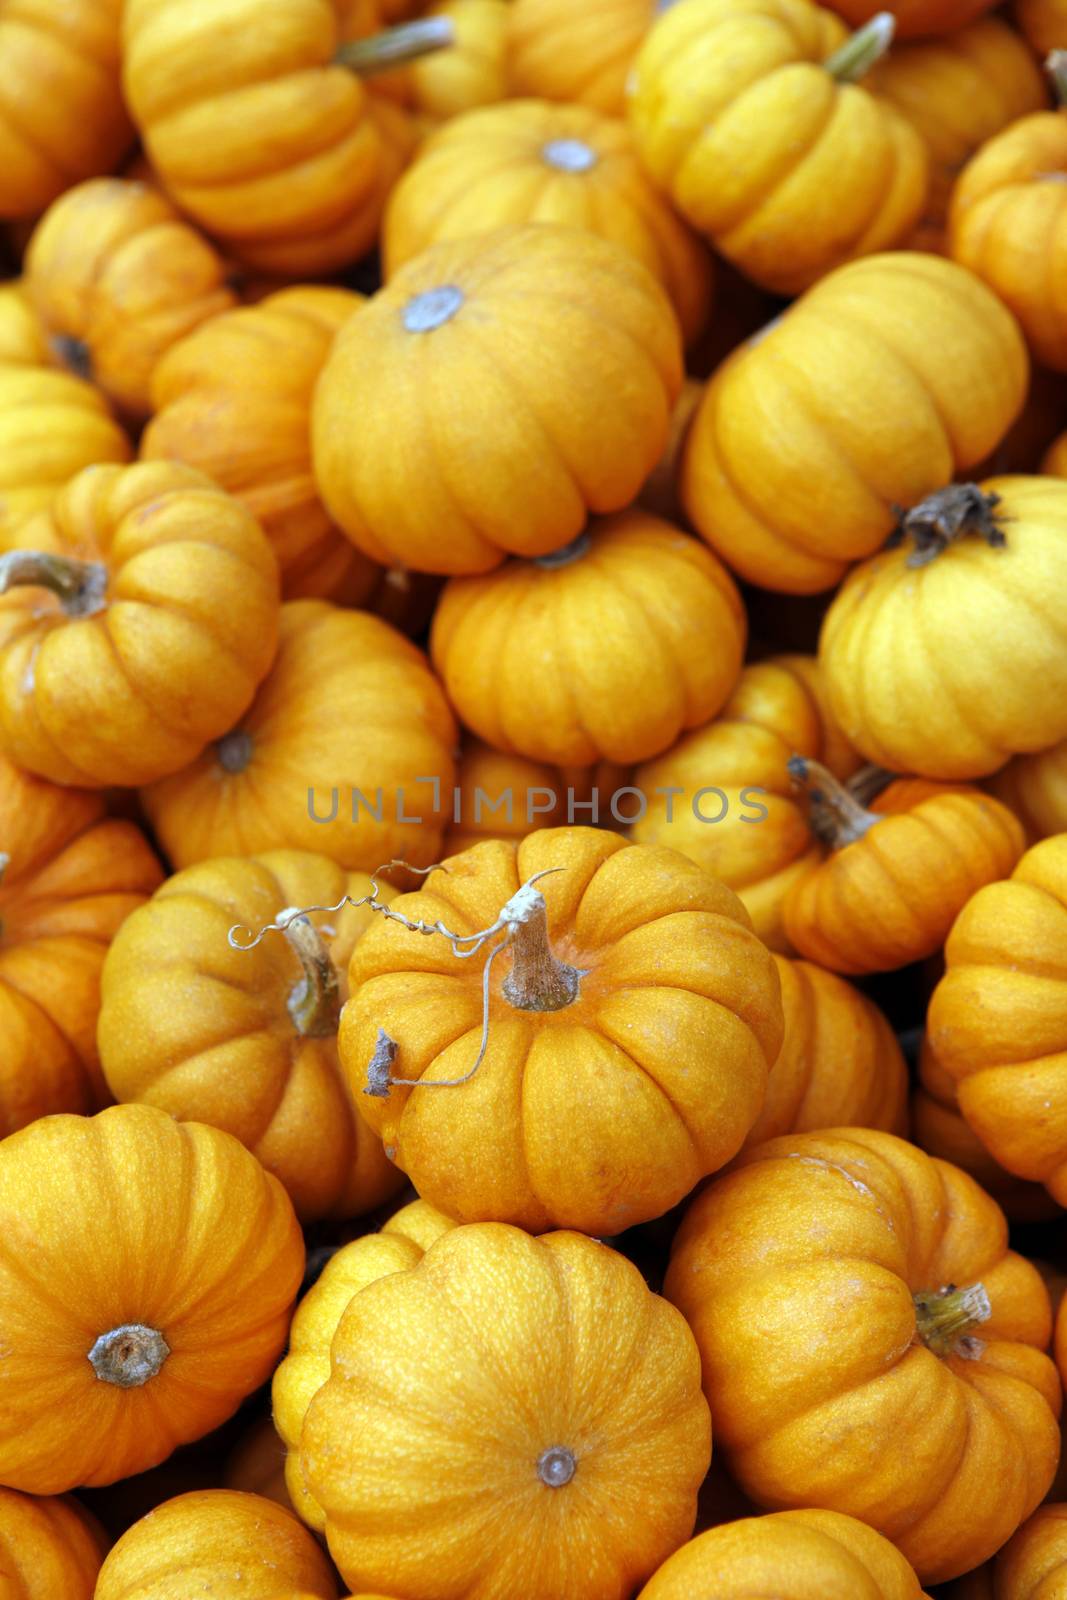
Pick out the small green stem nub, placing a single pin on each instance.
(381, 52)
(1056, 67)
(945, 1318)
(80, 586)
(855, 58)
(835, 816)
(315, 1002)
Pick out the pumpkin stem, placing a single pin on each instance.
(945, 1317)
(568, 553)
(129, 1356)
(74, 354)
(867, 784)
(1056, 67)
(835, 815)
(556, 1466)
(381, 52)
(537, 980)
(81, 586)
(315, 1002)
(855, 58)
(951, 514)
(235, 751)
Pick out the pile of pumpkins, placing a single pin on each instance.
(533, 799)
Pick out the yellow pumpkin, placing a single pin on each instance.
(473, 70)
(556, 52)
(22, 338)
(50, 1549)
(1031, 1566)
(1035, 788)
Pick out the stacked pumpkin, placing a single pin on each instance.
(533, 767)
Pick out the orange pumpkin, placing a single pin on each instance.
(634, 1026)
(61, 112)
(499, 796)
(234, 399)
(148, 1322)
(869, 1343)
(917, 19)
(579, 1375)
(234, 1546)
(1031, 1566)
(249, 1042)
(1043, 23)
(68, 878)
(550, 349)
(532, 161)
(345, 751)
(607, 650)
(1035, 788)
(117, 277)
(137, 617)
(256, 1465)
(22, 338)
(556, 52)
(473, 70)
(48, 1548)
(884, 382)
(659, 492)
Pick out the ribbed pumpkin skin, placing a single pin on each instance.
(186, 631)
(473, 71)
(534, 161)
(85, 1244)
(644, 1083)
(794, 1555)
(1031, 1566)
(72, 877)
(1035, 788)
(234, 400)
(609, 656)
(796, 1271)
(49, 1548)
(233, 1546)
(556, 52)
(949, 669)
(1044, 23)
(204, 1031)
(61, 112)
(567, 356)
(883, 383)
(22, 338)
(573, 1353)
(349, 704)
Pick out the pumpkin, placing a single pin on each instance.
(607, 650)
(51, 426)
(796, 1555)
(1031, 1566)
(576, 1374)
(68, 878)
(61, 112)
(472, 72)
(879, 386)
(22, 338)
(1035, 788)
(233, 1546)
(234, 399)
(1043, 23)
(944, 656)
(917, 19)
(137, 617)
(256, 1465)
(566, 358)
(401, 1244)
(499, 796)
(247, 1041)
(147, 1321)
(48, 1548)
(659, 492)
(117, 277)
(724, 797)
(532, 161)
(998, 1018)
(748, 115)
(869, 1343)
(626, 1042)
(558, 53)
(345, 751)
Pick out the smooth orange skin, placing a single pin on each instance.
(113, 265)
(596, 1116)
(233, 398)
(234, 1546)
(998, 1018)
(349, 704)
(61, 112)
(256, 1465)
(777, 710)
(1035, 788)
(1031, 1566)
(472, 71)
(204, 1031)
(888, 379)
(794, 1555)
(49, 1548)
(74, 875)
(187, 630)
(567, 356)
(1043, 23)
(609, 657)
(796, 1271)
(571, 1350)
(556, 52)
(84, 1239)
(493, 168)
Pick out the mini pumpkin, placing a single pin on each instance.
(499, 796)
(1043, 23)
(533, 161)
(565, 357)
(1035, 788)
(473, 70)
(606, 650)
(48, 1547)
(137, 616)
(346, 751)
(117, 277)
(944, 656)
(633, 1026)
(573, 1423)
(870, 1344)
(234, 400)
(1031, 1566)
(148, 1322)
(22, 338)
(880, 385)
(558, 53)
